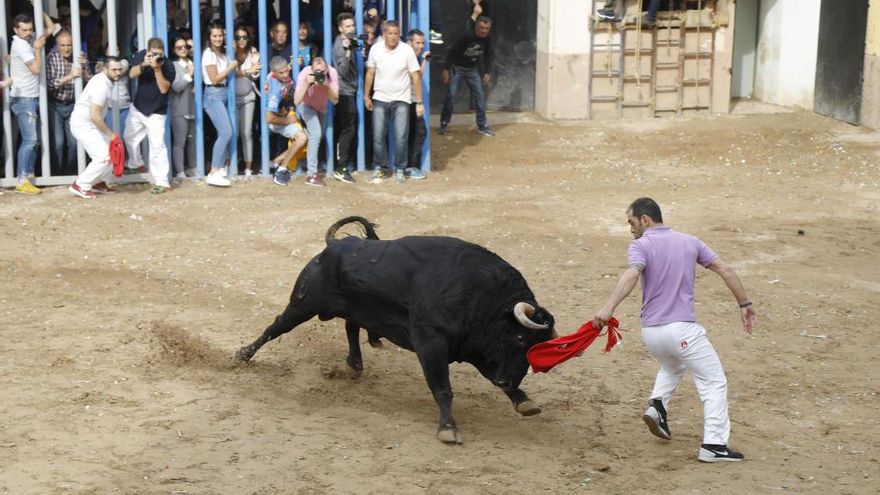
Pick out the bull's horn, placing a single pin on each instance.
(523, 312)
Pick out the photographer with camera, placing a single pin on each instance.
(344, 48)
(146, 117)
(315, 85)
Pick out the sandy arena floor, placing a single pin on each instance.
(120, 317)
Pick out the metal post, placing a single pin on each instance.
(149, 20)
(46, 170)
(76, 34)
(424, 22)
(113, 41)
(389, 10)
(359, 60)
(294, 38)
(264, 79)
(229, 13)
(9, 161)
(196, 24)
(328, 56)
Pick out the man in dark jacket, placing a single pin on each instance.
(463, 63)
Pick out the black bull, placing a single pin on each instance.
(443, 298)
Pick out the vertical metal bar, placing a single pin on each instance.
(8, 159)
(161, 30)
(328, 56)
(229, 13)
(113, 40)
(389, 10)
(196, 24)
(424, 18)
(46, 170)
(359, 60)
(263, 21)
(294, 38)
(76, 34)
(149, 20)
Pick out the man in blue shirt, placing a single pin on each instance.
(149, 109)
(281, 117)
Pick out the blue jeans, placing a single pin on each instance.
(397, 113)
(27, 115)
(475, 83)
(315, 122)
(63, 145)
(215, 106)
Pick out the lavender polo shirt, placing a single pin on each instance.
(669, 260)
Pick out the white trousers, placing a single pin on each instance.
(137, 127)
(97, 146)
(683, 346)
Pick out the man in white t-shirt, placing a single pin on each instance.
(91, 131)
(395, 70)
(25, 64)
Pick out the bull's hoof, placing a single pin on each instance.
(356, 367)
(376, 343)
(243, 355)
(528, 408)
(449, 435)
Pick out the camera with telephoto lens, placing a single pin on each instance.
(319, 76)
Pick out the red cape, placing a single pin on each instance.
(546, 355)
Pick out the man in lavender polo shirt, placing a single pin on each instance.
(665, 260)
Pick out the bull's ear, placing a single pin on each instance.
(523, 312)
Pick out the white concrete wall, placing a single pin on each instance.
(562, 75)
(788, 40)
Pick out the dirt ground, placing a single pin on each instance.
(120, 317)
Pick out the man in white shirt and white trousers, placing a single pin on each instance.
(89, 129)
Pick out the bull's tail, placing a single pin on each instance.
(367, 228)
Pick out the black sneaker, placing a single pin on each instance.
(718, 453)
(655, 418)
(607, 14)
(343, 176)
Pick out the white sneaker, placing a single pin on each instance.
(248, 173)
(217, 180)
(180, 176)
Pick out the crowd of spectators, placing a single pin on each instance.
(155, 83)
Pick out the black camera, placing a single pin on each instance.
(319, 76)
(357, 40)
(159, 58)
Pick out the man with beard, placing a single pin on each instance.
(90, 130)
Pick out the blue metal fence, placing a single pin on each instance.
(152, 18)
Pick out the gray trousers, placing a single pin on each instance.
(183, 145)
(315, 122)
(244, 111)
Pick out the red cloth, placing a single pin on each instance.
(546, 355)
(117, 156)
